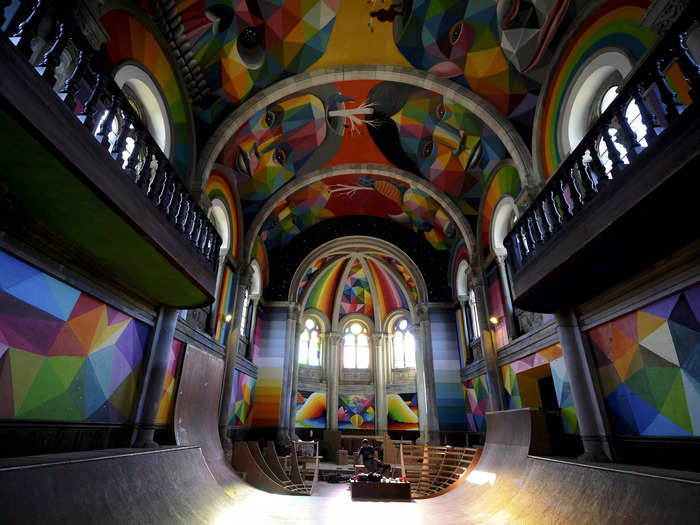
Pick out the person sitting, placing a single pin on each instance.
(369, 459)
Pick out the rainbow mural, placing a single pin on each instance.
(649, 367)
(402, 411)
(459, 253)
(614, 24)
(227, 297)
(218, 187)
(315, 266)
(322, 295)
(242, 398)
(390, 296)
(270, 361)
(165, 410)
(410, 282)
(357, 296)
(311, 409)
(476, 402)
(520, 380)
(64, 355)
(130, 40)
(260, 255)
(506, 181)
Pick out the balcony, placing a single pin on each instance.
(79, 164)
(610, 211)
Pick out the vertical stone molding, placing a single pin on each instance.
(333, 347)
(154, 377)
(285, 432)
(425, 377)
(590, 410)
(507, 298)
(380, 369)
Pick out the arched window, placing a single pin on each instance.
(403, 345)
(248, 308)
(310, 344)
(474, 315)
(356, 346)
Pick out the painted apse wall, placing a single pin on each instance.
(65, 355)
(270, 363)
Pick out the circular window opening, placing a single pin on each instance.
(145, 97)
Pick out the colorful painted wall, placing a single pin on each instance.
(446, 363)
(270, 363)
(242, 399)
(218, 187)
(462, 339)
(165, 410)
(64, 355)
(506, 181)
(476, 402)
(357, 296)
(226, 304)
(311, 409)
(648, 365)
(402, 411)
(521, 382)
(356, 411)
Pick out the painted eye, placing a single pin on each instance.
(270, 118)
(440, 111)
(455, 32)
(280, 156)
(428, 149)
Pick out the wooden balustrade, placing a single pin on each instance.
(583, 175)
(106, 114)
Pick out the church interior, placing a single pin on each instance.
(238, 238)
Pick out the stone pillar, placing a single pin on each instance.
(285, 432)
(507, 299)
(154, 377)
(590, 410)
(425, 378)
(244, 276)
(488, 348)
(380, 381)
(333, 352)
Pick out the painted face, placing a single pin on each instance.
(275, 143)
(442, 140)
(437, 37)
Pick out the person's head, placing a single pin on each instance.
(275, 144)
(365, 442)
(419, 132)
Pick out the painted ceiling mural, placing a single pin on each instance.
(497, 49)
(386, 123)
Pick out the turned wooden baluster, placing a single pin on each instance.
(158, 187)
(557, 211)
(194, 215)
(70, 88)
(627, 134)
(120, 144)
(27, 30)
(597, 167)
(185, 215)
(176, 206)
(203, 237)
(613, 154)
(576, 195)
(143, 177)
(3, 5)
(567, 212)
(168, 194)
(139, 142)
(587, 178)
(52, 58)
(518, 247)
(648, 118)
(530, 231)
(87, 117)
(102, 135)
(549, 224)
(689, 68)
(668, 97)
(523, 237)
(197, 232)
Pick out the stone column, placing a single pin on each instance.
(285, 432)
(333, 348)
(592, 417)
(244, 276)
(380, 381)
(488, 348)
(425, 378)
(507, 299)
(154, 377)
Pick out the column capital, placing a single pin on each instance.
(334, 337)
(421, 312)
(293, 311)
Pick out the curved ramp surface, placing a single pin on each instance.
(510, 486)
(167, 485)
(197, 415)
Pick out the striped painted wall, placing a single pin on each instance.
(446, 362)
(270, 362)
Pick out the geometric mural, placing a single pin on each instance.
(356, 411)
(166, 400)
(64, 355)
(521, 377)
(402, 411)
(357, 297)
(410, 282)
(310, 409)
(476, 402)
(242, 399)
(649, 367)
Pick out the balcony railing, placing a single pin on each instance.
(106, 114)
(586, 173)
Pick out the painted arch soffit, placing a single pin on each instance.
(394, 116)
(360, 189)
